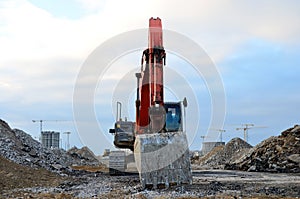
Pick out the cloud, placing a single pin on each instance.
(218, 26)
(42, 52)
(92, 5)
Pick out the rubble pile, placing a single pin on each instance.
(85, 154)
(276, 154)
(222, 155)
(19, 147)
(14, 176)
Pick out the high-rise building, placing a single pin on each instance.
(50, 139)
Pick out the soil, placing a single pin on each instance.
(23, 182)
(15, 176)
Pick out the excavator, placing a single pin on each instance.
(158, 136)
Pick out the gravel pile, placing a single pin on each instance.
(276, 154)
(19, 147)
(85, 154)
(222, 155)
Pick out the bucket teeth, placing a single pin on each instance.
(163, 160)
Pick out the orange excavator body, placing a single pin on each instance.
(150, 80)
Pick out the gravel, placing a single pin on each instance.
(222, 155)
(29, 154)
(21, 148)
(206, 184)
(275, 154)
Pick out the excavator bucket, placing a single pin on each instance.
(162, 159)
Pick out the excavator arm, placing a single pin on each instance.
(150, 80)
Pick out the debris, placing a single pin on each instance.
(21, 148)
(23, 181)
(85, 154)
(18, 176)
(219, 156)
(275, 154)
(294, 158)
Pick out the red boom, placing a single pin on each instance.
(150, 80)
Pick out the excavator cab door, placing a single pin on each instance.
(173, 117)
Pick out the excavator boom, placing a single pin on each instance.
(150, 79)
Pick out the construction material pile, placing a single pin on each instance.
(85, 154)
(21, 148)
(219, 156)
(276, 154)
(14, 176)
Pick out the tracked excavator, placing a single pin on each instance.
(158, 136)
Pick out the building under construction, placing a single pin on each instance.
(50, 139)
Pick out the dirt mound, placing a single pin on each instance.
(84, 153)
(21, 148)
(222, 155)
(18, 176)
(276, 154)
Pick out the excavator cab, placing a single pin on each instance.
(166, 119)
(173, 117)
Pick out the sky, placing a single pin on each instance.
(254, 45)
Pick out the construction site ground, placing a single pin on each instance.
(23, 182)
(268, 170)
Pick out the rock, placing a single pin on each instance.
(26, 149)
(33, 153)
(21, 148)
(296, 129)
(258, 159)
(85, 154)
(252, 168)
(294, 158)
(4, 125)
(275, 154)
(57, 166)
(223, 155)
(278, 148)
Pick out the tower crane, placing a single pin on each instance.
(245, 128)
(202, 137)
(41, 122)
(221, 133)
(68, 139)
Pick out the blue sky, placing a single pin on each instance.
(255, 45)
